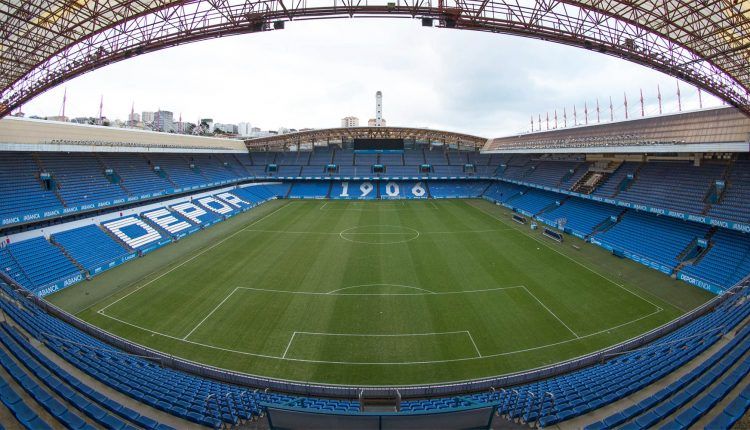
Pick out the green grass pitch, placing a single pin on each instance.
(378, 293)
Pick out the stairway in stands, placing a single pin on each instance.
(684, 257)
(627, 182)
(606, 225)
(119, 180)
(598, 172)
(714, 195)
(56, 188)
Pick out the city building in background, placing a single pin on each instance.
(349, 121)
(244, 129)
(147, 117)
(163, 121)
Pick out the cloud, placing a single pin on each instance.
(315, 72)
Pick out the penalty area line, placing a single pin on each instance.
(300, 360)
(210, 313)
(289, 344)
(551, 313)
(471, 338)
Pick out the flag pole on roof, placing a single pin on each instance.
(658, 96)
(643, 112)
(598, 120)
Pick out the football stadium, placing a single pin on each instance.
(377, 277)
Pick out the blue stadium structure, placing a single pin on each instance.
(110, 208)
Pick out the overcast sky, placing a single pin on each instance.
(314, 73)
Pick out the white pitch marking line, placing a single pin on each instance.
(289, 344)
(552, 313)
(573, 260)
(375, 285)
(193, 257)
(378, 233)
(209, 314)
(426, 293)
(437, 333)
(479, 354)
(253, 354)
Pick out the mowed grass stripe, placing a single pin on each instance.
(514, 330)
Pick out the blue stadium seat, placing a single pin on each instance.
(89, 246)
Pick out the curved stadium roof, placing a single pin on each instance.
(46, 42)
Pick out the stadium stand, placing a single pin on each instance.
(25, 416)
(455, 189)
(533, 201)
(21, 189)
(734, 203)
(83, 182)
(261, 193)
(733, 412)
(688, 185)
(170, 222)
(133, 232)
(581, 217)
(660, 248)
(58, 395)
(40, 263)
(414, 157)
(89, 246)
(11, 268)
(309, 190)
(136, 174)
(553, 173)
(401, 190)
(725, 262)
(391, 159)
(361, 159)
(178, 169)
(195, 214)
(503, 191)
(399, 170)
(443, 171)
(80, 179)
(354, 190)
(612, 186)
(215, 169)
(436, 157)
(649, 412)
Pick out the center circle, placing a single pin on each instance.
(379, 234)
